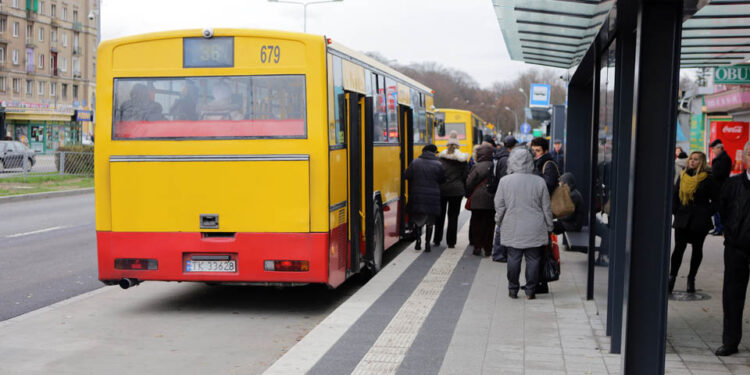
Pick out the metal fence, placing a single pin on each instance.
(57, 163)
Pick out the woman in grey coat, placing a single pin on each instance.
(522, 209)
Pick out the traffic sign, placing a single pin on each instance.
(525, 128)
(540, 95)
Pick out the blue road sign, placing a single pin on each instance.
(525, 128)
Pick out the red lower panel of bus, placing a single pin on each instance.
(250, 250)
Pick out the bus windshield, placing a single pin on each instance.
(210, 107)
(458, 127)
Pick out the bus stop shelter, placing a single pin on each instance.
(625, 58)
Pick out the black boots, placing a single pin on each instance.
(672, 280)
(691, 285)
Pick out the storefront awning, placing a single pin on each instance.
(558, 33)
(36, 114)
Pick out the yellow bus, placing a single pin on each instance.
(249, 156)
(468, 126)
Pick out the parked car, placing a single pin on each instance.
(14, 153)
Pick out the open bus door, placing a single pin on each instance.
(406, 129)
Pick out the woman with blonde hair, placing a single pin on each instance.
(696, 199)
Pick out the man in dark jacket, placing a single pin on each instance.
(721, 166)
(735, 212)
(425, 174)
(544, 165)
(558, 155)
(500, 252)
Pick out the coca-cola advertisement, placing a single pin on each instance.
(733, 135)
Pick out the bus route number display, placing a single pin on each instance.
(208, 53)
(270, 54)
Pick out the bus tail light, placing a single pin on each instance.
(287, 265)
(136, 264)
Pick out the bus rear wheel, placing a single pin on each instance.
(378, 237)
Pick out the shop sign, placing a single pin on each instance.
(83, 115)
(697, 133)
(728, 100)
(736, 74)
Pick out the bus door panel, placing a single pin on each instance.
(407, 155)
(356, 212)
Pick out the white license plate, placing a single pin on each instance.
(211, 266)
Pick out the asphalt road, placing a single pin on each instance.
(47, 252)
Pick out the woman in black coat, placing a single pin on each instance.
(481, 203)
(425, 174)
(696, 198)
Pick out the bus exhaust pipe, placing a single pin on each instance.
(127, 283)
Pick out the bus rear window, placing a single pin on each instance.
(458, 127)
(210, 107)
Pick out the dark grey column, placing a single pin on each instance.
(656, 81)
(627, 17)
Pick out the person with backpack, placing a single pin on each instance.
(500, 169)
(481, 224)
(452, 190)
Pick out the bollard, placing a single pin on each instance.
(62, 163)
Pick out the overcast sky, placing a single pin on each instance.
(460, 34)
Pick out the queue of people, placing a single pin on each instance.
(507, 189)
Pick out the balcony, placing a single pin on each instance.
(3, 10)
(77, 75)
(30, 43)
(76, 50)
(77, 26)
(54, 22)
(31, 15)
(4, 38)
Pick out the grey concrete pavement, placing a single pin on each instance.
(47, 252)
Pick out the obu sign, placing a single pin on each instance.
(736, 74)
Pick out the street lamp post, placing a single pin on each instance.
(515, 118)
(304, 6)
(521, 90)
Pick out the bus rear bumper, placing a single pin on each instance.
(250, 251)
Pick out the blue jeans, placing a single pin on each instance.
(718, 227)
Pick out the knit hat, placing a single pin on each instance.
(510, 141)
(453, 139)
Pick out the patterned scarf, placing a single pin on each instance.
(688, 186)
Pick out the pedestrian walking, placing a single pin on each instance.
(523, 212)
(721, 166)
(734, 206)
(500, 252)
(452, 191)
(481, 225)
(425, 174)
(696, 199)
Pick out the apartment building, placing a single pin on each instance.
(47, 71)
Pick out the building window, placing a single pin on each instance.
(53, 10)
(53, 36)
(40, 88)
(3, 22)
(29, 87)
(41, 34)
(2, 55)
(64, 90)
(2, 84)
(15, 3)
(16, 26)
(41, 7)
(41, 61)
(76, 66)
(52, 89)
(15, 57)
(29, 33)
(76, 39)
(64, 64)
(65, 13)
(65, 39)
(16, 85)
(75, 16)
(75, 91)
